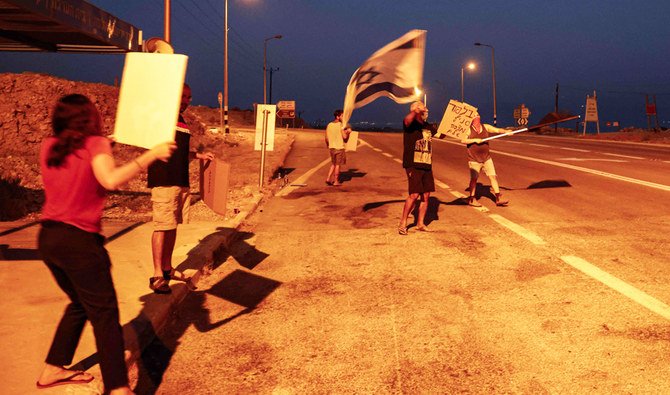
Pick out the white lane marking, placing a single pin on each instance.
(376, 149)
(666, 161)
(518, 229)
(302, 179)
(574, 149)
(363, 143)
(540, 145)
(584, 169)
(623, 156)
(514, 142)
(594, 159)
(619, 285)
(387, 154)
(441, 184)
(397, 160)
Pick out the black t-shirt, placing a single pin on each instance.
(417, 146)
(174, 172)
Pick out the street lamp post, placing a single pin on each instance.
(470, 66)
(225, 65)
(265, 66)
(493, 73)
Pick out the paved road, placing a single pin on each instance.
(564, 291)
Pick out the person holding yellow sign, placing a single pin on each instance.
(479, 157)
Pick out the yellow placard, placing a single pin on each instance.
(149, 98)
(457, 119)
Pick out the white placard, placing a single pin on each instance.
(457, 119)
(149, 98)
(352, 143)
(591, 109)
(265, 119)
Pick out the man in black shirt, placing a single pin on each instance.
(417, 162)
(170, 196)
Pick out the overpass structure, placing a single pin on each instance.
(64, 26)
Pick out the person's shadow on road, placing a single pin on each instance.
(242, 288)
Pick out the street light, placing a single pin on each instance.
(470, 66)
(225, 65)
(493, 72)
(265, 66)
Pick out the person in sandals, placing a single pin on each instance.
(336, 138)
(417, 162)
(170, 198)
(479, 157)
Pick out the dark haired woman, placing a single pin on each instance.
(77, 168)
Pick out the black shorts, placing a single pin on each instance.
(419, 180)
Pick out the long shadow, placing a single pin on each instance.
(17, 201)
(30, 254)
(239, 287)
(431, 212)
(350, 174)
(244, 289)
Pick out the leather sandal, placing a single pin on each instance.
(159, 285)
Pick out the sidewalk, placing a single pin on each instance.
(33, 303)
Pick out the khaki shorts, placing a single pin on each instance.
(338, 156)
(171, 206)
(488, 167)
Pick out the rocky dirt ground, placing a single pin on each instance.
(25, 104)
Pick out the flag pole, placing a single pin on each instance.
(529, 128)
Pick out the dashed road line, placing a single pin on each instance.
(623, 156)
(619, 285)
(518, 229)
(397, 160)
(387, 154)
(540, 145)
(574, 149)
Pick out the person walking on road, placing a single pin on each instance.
(77, 168)
(417, 162)
(171, 200)
(336, 137)
(479, 157)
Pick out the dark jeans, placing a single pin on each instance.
(81, 266)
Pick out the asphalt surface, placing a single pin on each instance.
(564, 291)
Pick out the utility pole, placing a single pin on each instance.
(166, 21)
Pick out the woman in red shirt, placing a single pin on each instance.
(77, 168)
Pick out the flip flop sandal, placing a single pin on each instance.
(402, 230)
(66, 380)
(159, 285)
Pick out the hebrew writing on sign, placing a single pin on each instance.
(457, 119)
(149, 98)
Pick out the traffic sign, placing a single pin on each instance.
(286, 113)
(286, 105)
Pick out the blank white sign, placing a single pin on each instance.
(149, 98)
(266, 117)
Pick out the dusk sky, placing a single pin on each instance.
(617, 48)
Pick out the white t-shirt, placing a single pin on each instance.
(334, 135)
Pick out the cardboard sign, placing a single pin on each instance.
(457, 119)
(352, 143)
(265, 122)
(214, 176)
(149, 98)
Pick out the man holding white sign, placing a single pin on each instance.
(170, 196)
(479, 157)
